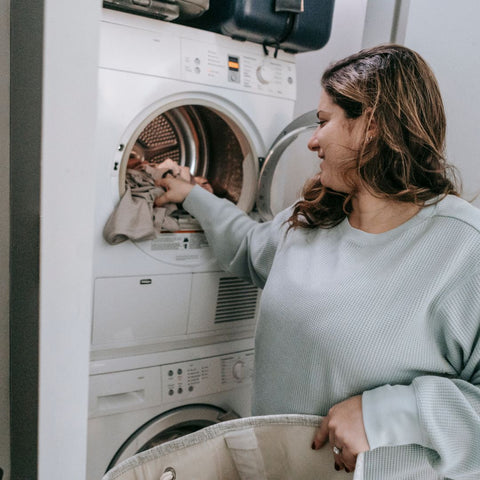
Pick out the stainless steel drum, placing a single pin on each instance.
(195, 136)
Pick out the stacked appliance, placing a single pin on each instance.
(172, 334)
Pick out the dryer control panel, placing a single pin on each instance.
(164, 50)
(181, 381)
(214, 64)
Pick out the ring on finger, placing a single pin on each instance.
(336, 450)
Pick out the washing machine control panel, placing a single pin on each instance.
(195, 378)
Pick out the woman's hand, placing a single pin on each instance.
(176, 190)
(343, 428)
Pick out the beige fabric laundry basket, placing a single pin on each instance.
(274, 447)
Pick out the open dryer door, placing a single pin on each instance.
(287, 166)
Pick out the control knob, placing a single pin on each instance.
(239, 371)
(264, 74)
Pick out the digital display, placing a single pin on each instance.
(233, 64)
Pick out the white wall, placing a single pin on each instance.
(446, 34)
(66, 234)
(4, 235)
(54, 51)
(345, 39)
(379, 22)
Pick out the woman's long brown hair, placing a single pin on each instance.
(404, 161)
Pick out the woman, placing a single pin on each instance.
(370, 309)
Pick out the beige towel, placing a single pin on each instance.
(135, 217)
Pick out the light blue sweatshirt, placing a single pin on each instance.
(392, 316)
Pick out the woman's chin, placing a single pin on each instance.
(333, 184)
(326, 180)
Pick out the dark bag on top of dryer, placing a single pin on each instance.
(167, 10)
(291, 25)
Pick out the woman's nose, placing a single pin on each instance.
(313, 144)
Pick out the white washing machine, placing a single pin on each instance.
(172, 335)
(139, 402)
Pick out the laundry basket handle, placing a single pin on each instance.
(168, 474)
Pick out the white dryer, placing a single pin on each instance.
(208, 102)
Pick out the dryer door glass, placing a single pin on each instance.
(196, 137)
(288, 165)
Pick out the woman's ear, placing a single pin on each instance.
(372, 130)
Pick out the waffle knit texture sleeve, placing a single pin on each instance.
(439, 413)
(241, 245)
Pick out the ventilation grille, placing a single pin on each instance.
(237, 300)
